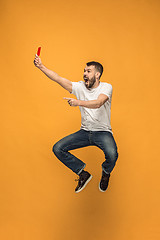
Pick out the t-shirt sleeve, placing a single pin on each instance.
(75, 88)
(107, 90)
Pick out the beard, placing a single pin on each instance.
(90, 82)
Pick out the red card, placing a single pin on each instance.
(39, 50)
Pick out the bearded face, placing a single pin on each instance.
(89, 76)
(89, 82)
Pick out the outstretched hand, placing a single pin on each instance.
(37, 61)
(72, 102)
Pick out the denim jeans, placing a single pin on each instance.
(102, 139)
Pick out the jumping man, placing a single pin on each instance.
(94, 100)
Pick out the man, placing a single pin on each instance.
(94, 100)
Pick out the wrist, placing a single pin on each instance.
(41, 67)
(80, 103)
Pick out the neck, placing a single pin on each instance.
(96, 84)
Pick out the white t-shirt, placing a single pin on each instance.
(94, 119)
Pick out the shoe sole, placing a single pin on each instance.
(89, 179)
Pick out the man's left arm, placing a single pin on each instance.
(102, 98)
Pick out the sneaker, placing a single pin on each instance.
(84, 178)
(103, 185)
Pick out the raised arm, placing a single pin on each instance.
(65, 83)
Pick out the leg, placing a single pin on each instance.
(105, 141)
(74, 141)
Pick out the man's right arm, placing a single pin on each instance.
(65, 83)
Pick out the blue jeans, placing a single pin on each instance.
(102, 139)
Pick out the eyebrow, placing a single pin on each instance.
(87, 69)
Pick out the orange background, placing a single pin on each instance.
(37, 199)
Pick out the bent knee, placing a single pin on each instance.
(113, 155)
(56, 148)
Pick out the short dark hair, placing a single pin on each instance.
(97, 65)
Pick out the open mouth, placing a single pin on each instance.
(85, 79)
(86, 82)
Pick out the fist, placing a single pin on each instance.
(37, 61)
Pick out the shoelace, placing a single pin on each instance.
(79, 179)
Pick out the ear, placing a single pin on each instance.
(98, 74)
